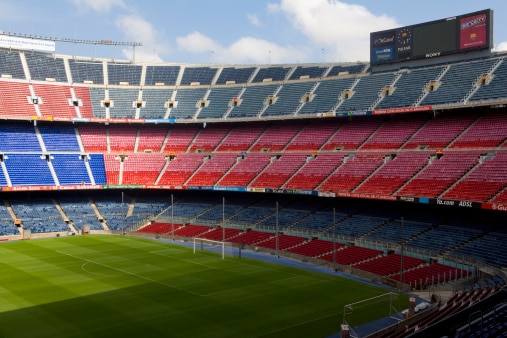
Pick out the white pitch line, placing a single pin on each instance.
(252, 286)
(129, 273)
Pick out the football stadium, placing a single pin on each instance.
(333, 199)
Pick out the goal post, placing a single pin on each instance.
(210, 245)
(385, 305)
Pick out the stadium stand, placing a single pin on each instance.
(338, 163)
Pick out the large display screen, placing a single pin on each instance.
(459, 34)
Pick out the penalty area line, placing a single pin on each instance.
(128, 273)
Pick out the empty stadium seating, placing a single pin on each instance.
(306, 136)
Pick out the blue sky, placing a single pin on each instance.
(232, 31)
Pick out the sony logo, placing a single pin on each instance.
(431, 55)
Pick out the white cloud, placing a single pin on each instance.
(139, 30)
(253, 19)
(252, 50)
(101, 6)
(244, 50)
(342, 29)
(501, 47)
(197, 42)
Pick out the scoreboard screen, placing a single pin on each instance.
(459, 34)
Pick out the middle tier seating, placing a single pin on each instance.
(279, 171)
(245, 170)
(440, 174)
(352, 172)
(212, 169)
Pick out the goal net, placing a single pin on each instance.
(367, 310)
(203, 244)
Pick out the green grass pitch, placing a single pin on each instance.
(115, 286)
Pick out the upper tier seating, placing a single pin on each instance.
(92, 71)
(202, 75)
(307, 71)
(495, 89)
(326, 96)
(409, 88)
(118, 73)
(457, 82)
(347, 69)
(123, 99)
(253, 101)
(55, 100)
(42, 67)
(10, 64)
(235, 75)
(219, 102)
(366, 92)
(274, 73)
(16, 99)
(84, 108)
(187, 102)
(155, 103)
(161, 74)
(288, 99)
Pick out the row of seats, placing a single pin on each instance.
(288, 97)
(414, 132)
